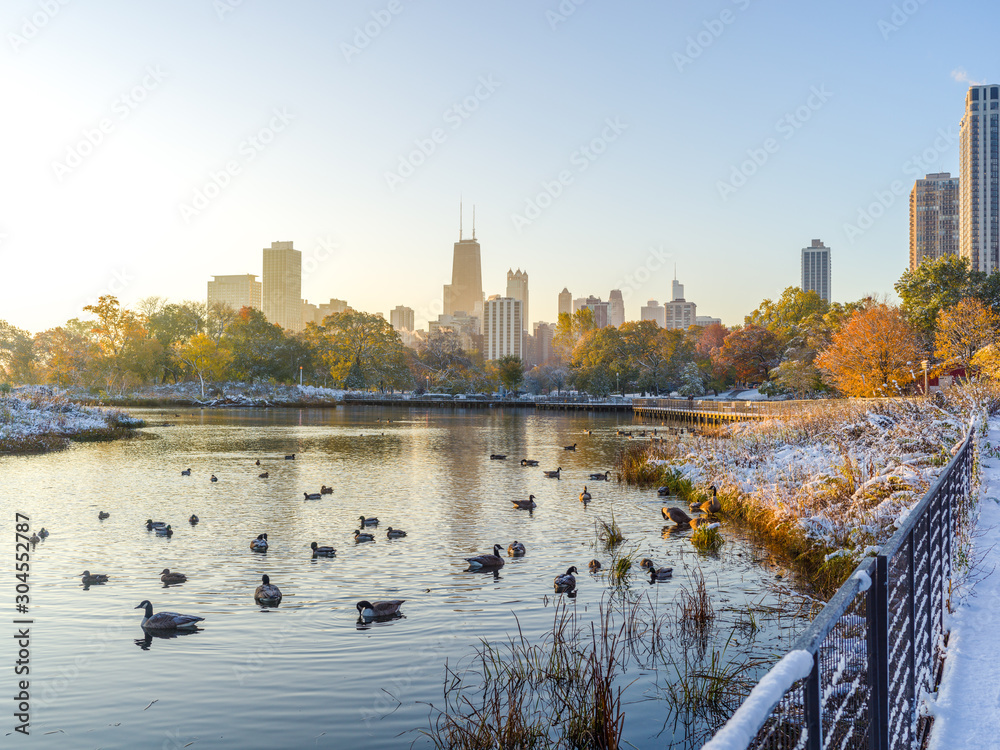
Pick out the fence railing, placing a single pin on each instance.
(877, 646)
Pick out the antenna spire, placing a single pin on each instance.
(473, 221)
(459, 218)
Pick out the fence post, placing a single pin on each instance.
(878, 655)
(814, 707)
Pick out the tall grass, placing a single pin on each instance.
(609, 533)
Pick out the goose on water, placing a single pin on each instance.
(167, 577)
(567, 581)
(525, 504)
(312, 495)
(569, 447)
(372, 521)
(186, 473)
(676, 515)
(102, 515)
(486, 562)
(598, 477)
(267, 592)
(360, 536)
(584, 496)
(395, 533)
(322, 551)
(166, 620)
(553, 474)
(259, 544)
(516, 549)
(89, 577)
(378, 609)
(528, 462)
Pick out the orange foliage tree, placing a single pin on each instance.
(963, 330)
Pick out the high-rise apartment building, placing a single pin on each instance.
(503, 331)
(401, 318)
(679, 313)
(517, 288)
(706, 320)
(616, 308)
(934, 218)
(653, 310)
(816, 269)
(236, 291)
(465, 292)
(282, 288)
(565, 302)
(979, 192)
(543, 333)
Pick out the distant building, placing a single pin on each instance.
(816, 269)
(676, 289)
(934, 218)
(616, 308)
(678, 313)
(282, 287)
(706, 320)
(979, 179)
(503, 331)
(517, 288)
(465, 292)
(465, 327)
(654, 311)
(599, 308)
(236, 291)
(543, 333)
(310, 314)
(565, 302)
(401, 318)
(332, 307)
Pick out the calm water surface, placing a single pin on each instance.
(306, 674)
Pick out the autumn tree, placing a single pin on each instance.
(16, 354)
(205, 356)
(362, 346)
(262, 350)
(600, 362)
(750, 352)
(570, 328)
(876, 353)
(64, 355)
(510, 371)
(963, 330)
(124, 347)
(941, 284)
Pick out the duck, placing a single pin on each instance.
(150, 524)
(373, 521)
(166, 620)
(267, 592)
(486, 562)
(594, 565)
(35, 539)
(322, 551)
(360, 536)
(378, 609)
(213, 478)
(525, 504)
(662, 491)
(89, 578)
(528, 462)
(259, 544)
(712, 505)
(566, 581)
(598, 477)
(290, 458)
(263, 475)
(102, 515)
(656, 574)
(498, 456)
(164, 530)
(395, 533)
(312, 495)
(167, 577)
(257, 462)
(516, 549)
(186, 473)
(42, 532)
(569, 447)
(324, 490)
(553, 474)
(193, 519)
(584, 496)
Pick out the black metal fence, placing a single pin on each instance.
(877, 646)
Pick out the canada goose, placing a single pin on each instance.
(525, 504)
(259, 544)
(360, 536)
(312, 495)
(150, 524)
(42, 532)
(324, 490)
(569, 447)
(166, 620)
(378, 609)
(712, 505)
(528, 462)
(486, 562)
(164, 530)
(584, 496)
(656, 574)
(516, 549)
(267, 592)
(322, 551)
(193, 519)
(553, 474)
(498, 456)
(598, 477)
(89, 578)
(567, 581)
(102, 515)
(167, 577)
(213, 478)
(290, 458)
(704, 522)
(594, 565)
(186, 473)
(373, 521)
(676, 515)
(395, 533)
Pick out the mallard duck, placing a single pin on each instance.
(324, 490)
(486, 562)
(167, 577)
(150, 525)
(525, 504)
(676, 515)
(290, 458)
(89, 578)
(186, 473)
(267, 592)
(35, 539)
(553, 474)
(166, 620)
(584, 496)
(395, 533)
(498, 456)
(164, 530)
(528, 462)
(379, 609)
(102, 515)
(594, 565)
(259, 544)
(566, 581)
(312, 495)
(656, 574)
(598, 477)
(42, 532)
(373, 521)
(265, 475)
(213, 478)
(515, 549)
(569, 447)
(322, 551)
(712, 505)
(360, 536)
(257, 462)
(193, 519)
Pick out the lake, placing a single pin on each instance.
(306, 673)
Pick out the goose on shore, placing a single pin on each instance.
(166, 620)
(486, 562)
(525, 504)
(360, 536)
(594, 565)
(267, 592)
(584, 496)
(164, 530)
(259, 544)
(372, 521)
(186, 473)
(395, 533)
(569, 447)
(598, 477)
(655, 573)
(676, 515)
(528, 462)
(89, 577)
(167, 577)
(322, 551)
(712, 505)
(567, 581)
(102, 515)
(553, 474)
(312, 495)
(378, 609)
(324, 490)
(516, 549)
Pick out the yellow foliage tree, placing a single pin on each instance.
(204, 355)
(987, 361)
(963, 330)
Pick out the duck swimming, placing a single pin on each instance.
(395, 533)
(167, 577)
(267, 592)
(360, 536)
(369, 521)
(379, 609)
(528, 462)
(594, 565)
(322, 551)
(164, 530)
(566, 582)
(516, 549)
(102, 515)
(259, 544)
(89, 578)
(312, 495)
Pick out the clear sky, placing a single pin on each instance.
(600, 141)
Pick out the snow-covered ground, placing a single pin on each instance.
(37, 418)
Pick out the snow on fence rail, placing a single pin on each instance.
(877, 646)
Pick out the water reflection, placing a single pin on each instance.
(148, 635)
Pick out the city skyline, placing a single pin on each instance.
(143, 169)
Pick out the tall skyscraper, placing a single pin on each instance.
(565, 302)
(979, 192)
(465, 292)
(401, 318)
(816, 269)
(517, 288)
(616, 308)
(543, 342)
(653, 310)
(503, 332)
(236, 291)
(676, 289)
(282, 290)
(678, 312)
(934, 218)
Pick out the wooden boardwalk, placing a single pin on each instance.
(708, 412)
